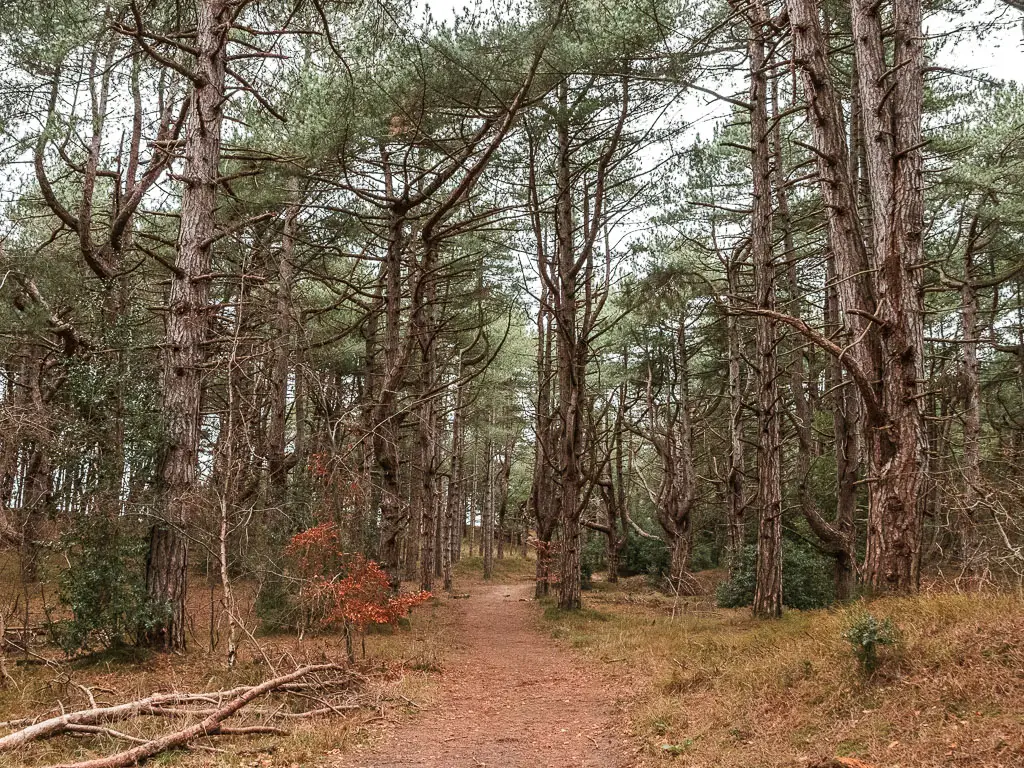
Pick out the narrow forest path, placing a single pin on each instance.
(510, 698)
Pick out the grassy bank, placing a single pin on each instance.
(716, 688)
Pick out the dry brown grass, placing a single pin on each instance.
(511, 569)
(401, 666)
(716, 688)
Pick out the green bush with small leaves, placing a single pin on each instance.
(591, 559)
(104, 586)
(277, 604)
(806, 580)
(642, 555)
(867, 634)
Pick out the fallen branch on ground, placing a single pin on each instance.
(215, 707)
(209, 726)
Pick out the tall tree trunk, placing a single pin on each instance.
(892, 102)
(735, 498)
(452, 533)
(768, 584)
(879, 286)
(846, 432)
(387, 419)
(570, 372)
(186, 327)
(487, 503)
(542, 493)
(370, 381)
(620, 495)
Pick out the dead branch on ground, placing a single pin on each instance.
(314, 683)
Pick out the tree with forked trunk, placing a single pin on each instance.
(878, 268)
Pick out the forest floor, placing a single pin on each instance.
(509, 697)
(489, 678)
(471, 680)
(715, 688)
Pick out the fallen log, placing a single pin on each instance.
(157, 705)
(211, 725)
(53, 726)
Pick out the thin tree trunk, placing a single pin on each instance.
(836, 537)
(225, 580)
(972, 401)
(452, 533)
(277, 459)
(544, 510)
(736, 502)
(487, 504)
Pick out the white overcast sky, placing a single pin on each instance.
(1000, 54)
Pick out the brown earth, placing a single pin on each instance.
(509, 697)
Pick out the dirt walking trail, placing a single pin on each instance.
(509, 698)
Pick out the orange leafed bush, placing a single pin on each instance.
(342, 588)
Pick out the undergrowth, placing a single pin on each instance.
(713, 687)
(401, 669)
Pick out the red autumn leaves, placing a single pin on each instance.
(341, 588)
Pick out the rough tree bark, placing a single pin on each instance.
(878, 283)
(567, 355)
(768, 580)
(186, 326)
(892, 96)
(425, 328)
(386, 415)
(736, 502)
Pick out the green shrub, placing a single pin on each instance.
(866, 634)
(704, 554)
(104, 586)
(277, 604)
(739, 590)
(646, 556)
(806, 580)
(591, 559)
